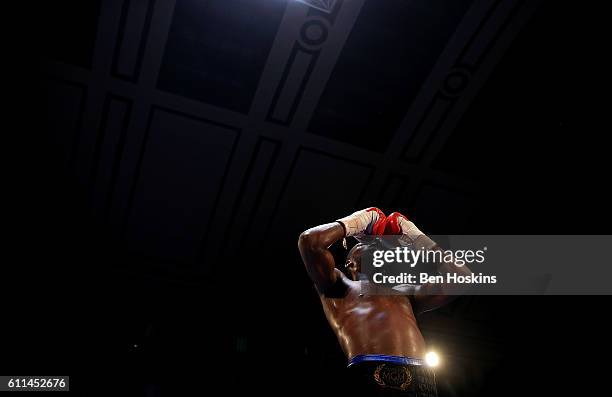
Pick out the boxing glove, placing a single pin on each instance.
(398, 224)
(369, 221)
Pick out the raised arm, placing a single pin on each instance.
(427, 296)
(432, 296)
(314, 243)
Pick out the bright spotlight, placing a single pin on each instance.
(322, 5)
(432, 359)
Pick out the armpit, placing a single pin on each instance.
(339, 289)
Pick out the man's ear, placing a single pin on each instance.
(351, 265)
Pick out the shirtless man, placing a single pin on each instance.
(378, 333)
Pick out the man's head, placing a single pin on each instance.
(352, 265)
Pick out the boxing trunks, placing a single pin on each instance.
(382, 375)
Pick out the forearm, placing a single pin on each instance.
(420, 241)
(429, 296)
(366, 221)
(444, 267)
(321, 237)
(313, 245)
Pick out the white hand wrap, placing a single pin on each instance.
(358, 222)
(413, 236)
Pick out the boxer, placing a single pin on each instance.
(379, 334)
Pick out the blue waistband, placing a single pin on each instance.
(400, 360)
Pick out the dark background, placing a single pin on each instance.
(168, 153)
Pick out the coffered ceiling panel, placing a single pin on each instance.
(216, 51)
(382, 67)
(169, 208)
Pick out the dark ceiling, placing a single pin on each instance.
(192, 140)
(188, 116)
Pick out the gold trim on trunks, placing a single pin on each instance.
(393, 376)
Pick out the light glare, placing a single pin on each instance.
(432, 359)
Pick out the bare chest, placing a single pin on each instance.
(357, 309)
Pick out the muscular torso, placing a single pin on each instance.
(373, 324)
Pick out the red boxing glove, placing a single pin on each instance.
(398, 224)
(378, 228)
(393, 226)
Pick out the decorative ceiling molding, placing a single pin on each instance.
(322, 5)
